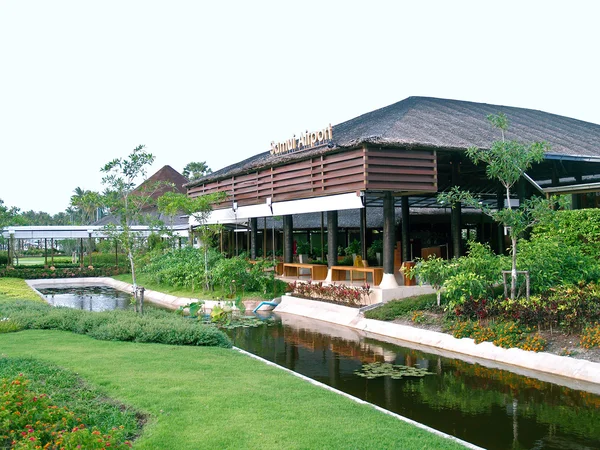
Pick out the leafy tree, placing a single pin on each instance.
(128, 203)
(194, 170)
(506, 162)
(86, 203)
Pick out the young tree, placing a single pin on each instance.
(506, 162)
(194, 170)
(128, 203)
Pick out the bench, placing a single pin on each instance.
(317, 271)
(338, 273)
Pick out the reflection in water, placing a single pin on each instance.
(493, 408)
(89, 298)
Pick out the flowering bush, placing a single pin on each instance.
(502, 334)
(30, 421)
(336, 293)
(590, 337)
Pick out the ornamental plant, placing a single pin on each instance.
(30, 420)
(335, 293)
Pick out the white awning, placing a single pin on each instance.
(316, 204)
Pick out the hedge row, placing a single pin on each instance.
(30, 273)
(155, 326)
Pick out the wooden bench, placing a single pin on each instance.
(317, 271)
(338, 273)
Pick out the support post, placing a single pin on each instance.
(288, 239)
(45, 253)
(389, 234)
(253, 236)
(405, 230)
(81, 253)
(322, 238)
(52, 251)
(363, 233)
(455, 213)
(332, 241)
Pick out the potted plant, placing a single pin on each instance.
(353, 249)
(303, 249)
(375, 251)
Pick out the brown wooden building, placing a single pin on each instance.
(401, 156)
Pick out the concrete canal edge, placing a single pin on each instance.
(544, 363)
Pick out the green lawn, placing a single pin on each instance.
(218, 398)
(207, 397)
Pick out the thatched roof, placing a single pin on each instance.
(165, 176)
(425, 122)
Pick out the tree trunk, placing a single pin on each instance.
(513, 273)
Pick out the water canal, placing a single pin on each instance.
(490, 407)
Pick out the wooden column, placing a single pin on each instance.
(288, 239)
(405, 230)
(264, 242)
(389, 233)
(363, 233)
(322, 238)
(253, 235)
(455, 213)
(332, 237)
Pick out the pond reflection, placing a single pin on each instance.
(89, 298)
(493, 408)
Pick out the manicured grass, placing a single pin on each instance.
(12, 289)
(218, 398)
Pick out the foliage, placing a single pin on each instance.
(573, 228)
(3, 258)
(433, 271)
(590, 336)
(193, 309)
(194, 170)
(462, 287)
(394, 371)
(353, 248)
(552, 263)
(9, 326)
(506, 162)
(237, 274)
(155, 326)
(29, 273)
(303, 248)
(183, 267)
(570, 307)
(336, 293)
(402, 308)
(31, 420)
(503, 334)
(67, 390)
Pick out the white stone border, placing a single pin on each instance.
(362, 402)
(548, 363)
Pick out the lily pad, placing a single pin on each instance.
(395, 371)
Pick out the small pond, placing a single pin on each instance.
(90, 298)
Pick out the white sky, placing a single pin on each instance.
(83, 82)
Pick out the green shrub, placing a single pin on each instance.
(28, 273)
(552, 263)
(155, 326)
(402, 308)
(575, 228)
(3, 258)
(9, 326)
